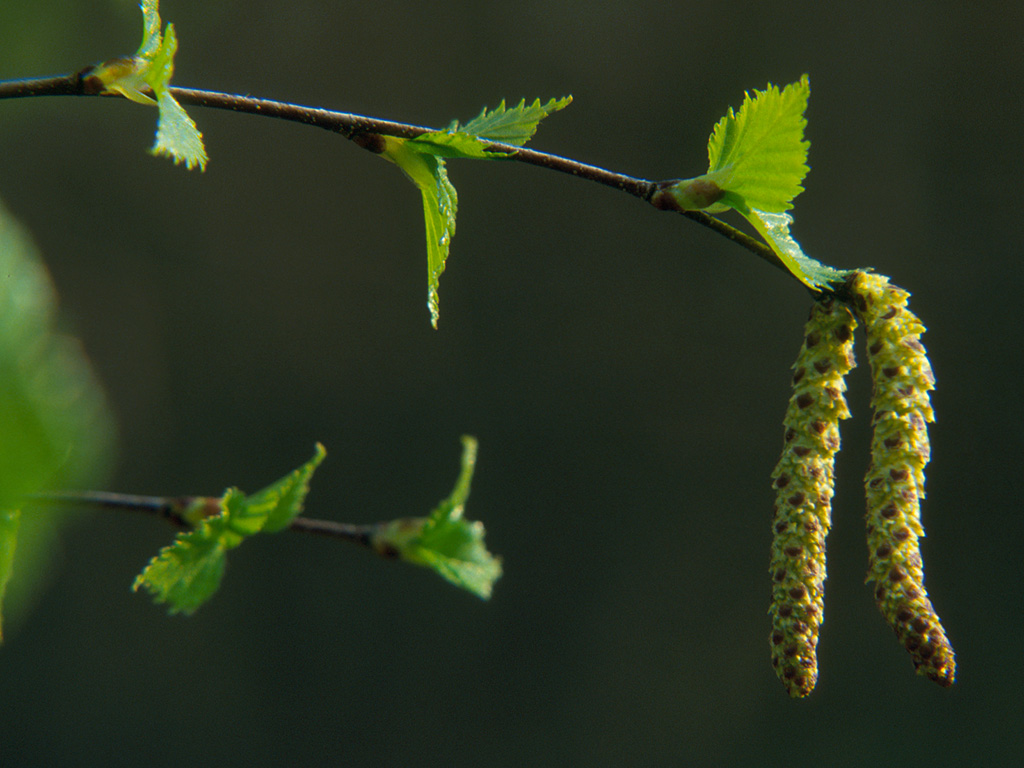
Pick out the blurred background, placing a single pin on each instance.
(625, 371)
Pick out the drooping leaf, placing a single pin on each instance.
(150, 69)
(458, 145)
(440, 204)
(188, 572)
(423, 161)
(774, 228)
(445, 541)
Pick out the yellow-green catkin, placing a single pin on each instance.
(803, 480)
(895, 480)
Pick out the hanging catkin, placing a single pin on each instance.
(895, 480)
(803, 480)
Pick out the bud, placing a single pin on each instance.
(900, 450)
(803, 480)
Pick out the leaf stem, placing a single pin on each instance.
(354, 127)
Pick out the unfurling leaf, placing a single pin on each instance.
(150, 71)
(187, 573)
(445, 541)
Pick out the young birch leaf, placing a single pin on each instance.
(514, 126)
(188, 572)
(150, 69)
(470, 142)
(447, 543)
(423, 161)
(774, 228)
(284, 499)
(760, 152)
(440, 204)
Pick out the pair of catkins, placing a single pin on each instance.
(803, 480)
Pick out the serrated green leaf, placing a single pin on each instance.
(514, 126)
(774, 228)
(440, 204)
(759, 153)
(9, 520)
(284, 499)
(187, 573)
(449, 145)
(423, 161)
(151, 68)
(445, 542)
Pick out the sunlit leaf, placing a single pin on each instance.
(445, 541)
(759, 154)
(511, 126)
(150, 71)
(188, 572)
(774, 228)
(440, 204)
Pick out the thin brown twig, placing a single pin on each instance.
(358, 127)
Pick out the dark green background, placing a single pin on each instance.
(625, 371)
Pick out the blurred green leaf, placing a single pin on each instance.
(188, 572)
(445, 541)
(56, 430)
(9, 520)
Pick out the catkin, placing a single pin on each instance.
(895, 480)
(803, 480)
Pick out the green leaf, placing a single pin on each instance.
(150, 69)
(440, 204)
(56, 430)
(282, 501)
(9, 520)
(423, 161)
(188, 572)
(458, 145)
(774, 228)
(759, 154)
(514, 126)
(445, 541)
